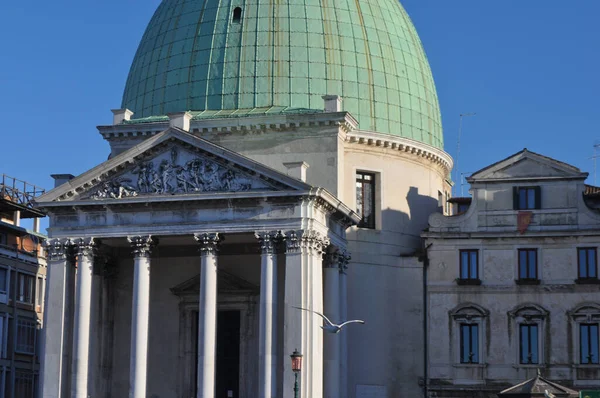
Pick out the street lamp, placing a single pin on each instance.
(296, 368)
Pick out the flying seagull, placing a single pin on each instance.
(331, 327)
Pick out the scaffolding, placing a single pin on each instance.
(18, 195)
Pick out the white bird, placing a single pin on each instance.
(331, 327)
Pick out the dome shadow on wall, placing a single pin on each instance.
(228, 54)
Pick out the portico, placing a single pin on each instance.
(222, 238)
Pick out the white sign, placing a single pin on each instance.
(363, 391)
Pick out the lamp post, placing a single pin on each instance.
(296, 368)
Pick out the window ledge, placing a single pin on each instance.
(527, 281)
(586, 366)
(529, 366)
(468, 282)
(587, 281)
(470, 365)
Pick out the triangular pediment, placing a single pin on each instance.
(173, 163)
(527, 165)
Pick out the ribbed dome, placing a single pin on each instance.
(243, 54)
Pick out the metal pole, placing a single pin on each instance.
(296, 385)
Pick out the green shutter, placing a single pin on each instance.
(538, 198)
(515, 198)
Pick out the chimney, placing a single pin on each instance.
(297, 170)
(333, 103)
(60, 179)
(121, 115)
(181, 120)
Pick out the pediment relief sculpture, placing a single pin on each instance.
(178, 172)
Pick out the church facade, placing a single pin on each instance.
(266, 157)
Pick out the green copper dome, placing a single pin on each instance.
(243, 54)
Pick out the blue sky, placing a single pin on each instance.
(529, 69)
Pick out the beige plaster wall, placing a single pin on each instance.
(385, 288)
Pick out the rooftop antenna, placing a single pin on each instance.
(457, 172)
(595, 159)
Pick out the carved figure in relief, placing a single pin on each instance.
(196, 175)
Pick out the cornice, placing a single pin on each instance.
(400, 144)
(343, 120)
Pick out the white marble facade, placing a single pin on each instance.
(189, 219)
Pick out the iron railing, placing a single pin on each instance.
(18, 191)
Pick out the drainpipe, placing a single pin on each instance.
(425, 259)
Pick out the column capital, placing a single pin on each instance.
(309, 240)
(332, 257)
(141, 246)
(209, 242)
(85, 246)
(57, 249)
(343, 260)
(269, 241)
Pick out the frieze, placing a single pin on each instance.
(172, 174)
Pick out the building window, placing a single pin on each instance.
(365, 199)
(586, 262)
(527, 198)
(469, 264)
(237, 15)
(40, 291)
(528, 264)
(447, 204)
(25, 288)
(3, 335)
(25, 384)
(3, 280)
(26, 336)
(528, 344)
(469, 343)
(470, 322)
(588, 343)
(3, 239)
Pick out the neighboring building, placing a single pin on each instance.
(22, 280)
(271, 88)
(512, 282)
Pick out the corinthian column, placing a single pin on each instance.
(332, 311)
(207, 311)
(53, 367)
(343, 260)
(267, 346)
(142, 248)
(83, 301)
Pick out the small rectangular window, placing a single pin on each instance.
(3, 276)
(587, 263)
(469, 343)
(365, 199)
(25, 288)
(527, 198)
(588, 343)
(3, 239)
(40, 291)
(469, 260)
(529, 344)
(24, 384)
(528, 264)
(26, 336)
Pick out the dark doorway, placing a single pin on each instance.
(228, 354)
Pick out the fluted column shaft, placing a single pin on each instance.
(82, 319)
(53, 367)
(331, 306)
(207, 310)
(267, 346)
(140, 314)
(343, 259)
